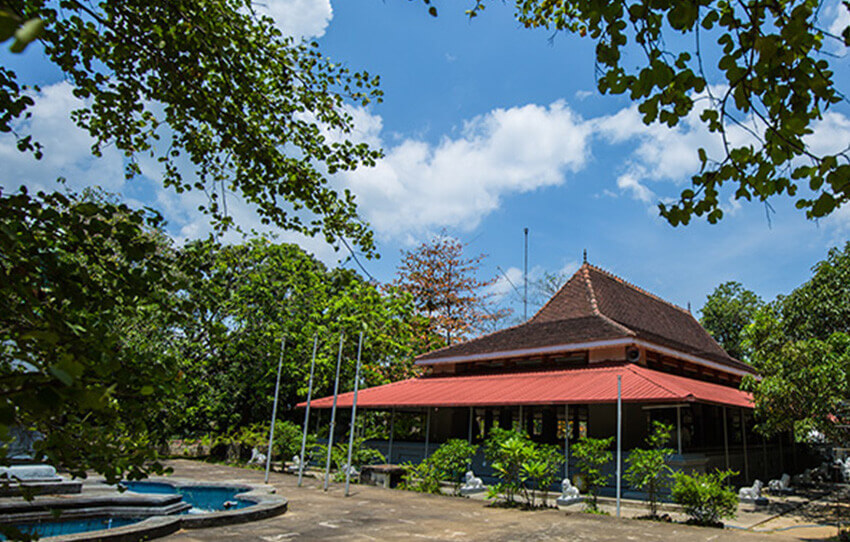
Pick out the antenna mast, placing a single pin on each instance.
(525, 276)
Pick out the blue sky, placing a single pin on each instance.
(489, 128)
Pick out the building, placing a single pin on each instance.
(556, 376)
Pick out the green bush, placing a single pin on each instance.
(542, 468)
(360, 455)
(448, 462)
(452, 460)
(648, 470)
(424, 477)
(287, 441)
(591, 455)
(521, 465)
(705, 497)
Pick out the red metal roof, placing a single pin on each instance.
(593, 384)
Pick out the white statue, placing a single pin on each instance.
(472, 485)
(783, 485)
(569, 493)
(751, 494)
(257, 457)
(294, 464)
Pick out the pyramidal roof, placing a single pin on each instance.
(595, 305)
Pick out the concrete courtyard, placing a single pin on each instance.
(372, 513)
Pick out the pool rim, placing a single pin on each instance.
(266, 504)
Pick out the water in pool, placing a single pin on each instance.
(202, 498)
(55, 528)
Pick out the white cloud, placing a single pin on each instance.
(67, 148)
(628, 182)
(458, 181)
(840, 15)
(298, 18)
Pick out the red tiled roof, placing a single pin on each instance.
(585, 385)
(596, 305)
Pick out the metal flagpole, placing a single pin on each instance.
(333, 414)
(307, 413)
(525, 278)
(353, 415)
(619, 437)
(274, 410)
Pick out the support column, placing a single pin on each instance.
(427, 431)
(744, 440)
(567, 441)
(679, 428)
(764, 457)
(392, 434)
(725, 439)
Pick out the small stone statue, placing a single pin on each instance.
(751, 494)
(257, 457)
(472, 485)
(569, 493)
(783, 485)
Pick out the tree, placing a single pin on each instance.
(87, 298)
(821, 306)
(800, 347)
(761, 86)
(213, 84)
(445, 289)
(648, 470)
(727, 311)
(246, 298)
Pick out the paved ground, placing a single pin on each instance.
(372, 513)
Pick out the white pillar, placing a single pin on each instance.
(307, 412)
(619, 438)
(274, 410)
(353, 416)
(333, 415)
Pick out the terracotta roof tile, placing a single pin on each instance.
(596, 305)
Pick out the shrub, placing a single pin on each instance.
(542, 468)
(360, 455)
(287, 441)
(704, 497)
(507, 450)
(647, 470)
(424, 477)
(591, 455)
(452, 460)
